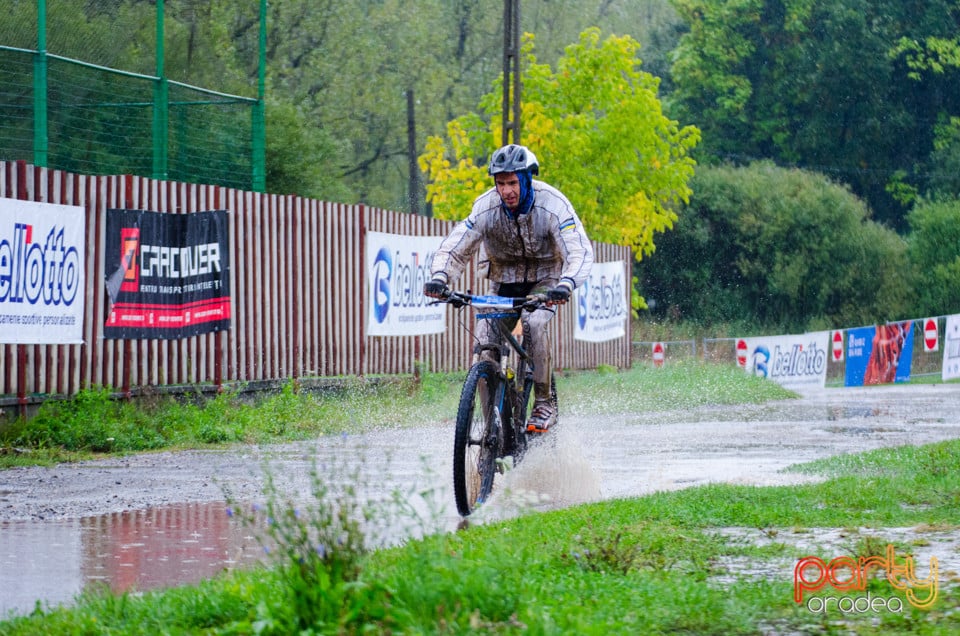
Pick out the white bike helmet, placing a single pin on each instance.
(513, 158)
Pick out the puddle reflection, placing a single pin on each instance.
(136, 550)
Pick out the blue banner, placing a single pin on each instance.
(879, 355)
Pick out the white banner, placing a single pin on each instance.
(397, 266)
(42, 252)
(603, 308)
(951, 349)
(794, 361)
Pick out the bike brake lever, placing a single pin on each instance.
(534, 301)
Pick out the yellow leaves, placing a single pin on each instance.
(598, 129)
(454, 177)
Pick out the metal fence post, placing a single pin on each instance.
(40, 136)
(259, 124)
(160, 105)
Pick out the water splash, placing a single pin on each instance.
(556, 472)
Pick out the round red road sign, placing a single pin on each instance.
(742, 352)
(658, 354)
(837, 346)
(930, 336)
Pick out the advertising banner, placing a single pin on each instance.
(951, 349)
(603, 308)
(793, 361)
(168, 275)
(879, 355)
(42, 252)
(397, 266)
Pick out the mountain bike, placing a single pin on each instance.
(495, 402)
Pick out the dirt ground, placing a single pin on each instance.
(592, 457)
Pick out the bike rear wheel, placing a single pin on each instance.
(478, 437)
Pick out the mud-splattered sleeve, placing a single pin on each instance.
(458, 248)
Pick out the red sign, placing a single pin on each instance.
(742, 353)
(658, 354)
(837, 346)
(931, 339)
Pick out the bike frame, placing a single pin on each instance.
(504, 308)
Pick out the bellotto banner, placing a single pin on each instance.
(41, 273)
(167, 275)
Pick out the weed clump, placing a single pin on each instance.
(317, 544)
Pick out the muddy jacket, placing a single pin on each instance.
(546, 243)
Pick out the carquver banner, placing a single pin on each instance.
(42, 248)
(168, 275)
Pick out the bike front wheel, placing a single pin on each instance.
(478, 437)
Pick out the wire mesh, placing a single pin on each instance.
(101, 120)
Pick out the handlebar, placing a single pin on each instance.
(458, 299)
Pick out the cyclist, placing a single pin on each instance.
(532, 243)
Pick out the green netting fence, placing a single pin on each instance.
(79, 116)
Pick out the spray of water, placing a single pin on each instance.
(557, 471)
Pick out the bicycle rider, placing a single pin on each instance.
(533, 243)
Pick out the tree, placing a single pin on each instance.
(784, 248)
(817, 85)
(597, 127)
(934, 249)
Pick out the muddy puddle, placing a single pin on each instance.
(123, 551)
(934, 552)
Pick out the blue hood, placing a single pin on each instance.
(526, 193)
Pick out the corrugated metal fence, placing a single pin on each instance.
(298, 294)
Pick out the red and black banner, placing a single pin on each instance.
(168, 275)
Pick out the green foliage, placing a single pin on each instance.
(95, 421)
(944, 182)
(597, 126)
(846, 88)
(787, 249)
(300, 155)
(91, 421)
(934, 249)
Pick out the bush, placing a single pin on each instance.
(787, 249)
(318, 543)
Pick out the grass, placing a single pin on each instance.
(647, 565)
(93, 423)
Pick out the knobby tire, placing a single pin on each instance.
(477, 438)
